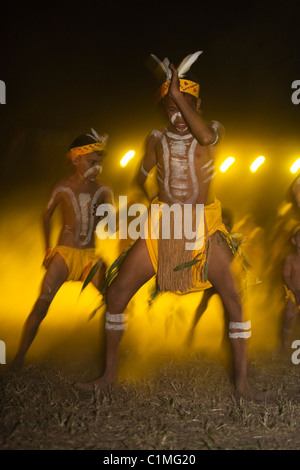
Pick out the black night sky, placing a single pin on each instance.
(73, 66)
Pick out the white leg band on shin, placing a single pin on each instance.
(116, 322)
(244, 327)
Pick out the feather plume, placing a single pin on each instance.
(97, 137)
(95, 134)
(187, 62)
(164, 65)
(104, 138)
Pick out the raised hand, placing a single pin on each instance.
(174, 87)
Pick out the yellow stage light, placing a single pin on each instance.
(295, 166)
(128, 156)
(256, 164)
(226, 164)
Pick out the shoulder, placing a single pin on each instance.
(60, 185)
(155, 135)
(103, 185)
(56, 193)
(102, 189)
(154, 139)
(58, 188)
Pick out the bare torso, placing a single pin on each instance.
(185, 169)
(78, 207)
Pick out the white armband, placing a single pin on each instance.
(215, 127)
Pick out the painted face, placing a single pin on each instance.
(176, 118)
(175, 115)
(92, 173)
(90, 165)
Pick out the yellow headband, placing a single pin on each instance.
(96, 147)
(186, 86)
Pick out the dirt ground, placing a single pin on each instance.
(185, 404)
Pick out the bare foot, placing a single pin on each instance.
(101, 383)
(251, 393)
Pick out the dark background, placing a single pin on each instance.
(73, 66)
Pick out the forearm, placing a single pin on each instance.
(202, 130)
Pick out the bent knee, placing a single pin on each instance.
(118, 295)
(232, 304)
(116, 291)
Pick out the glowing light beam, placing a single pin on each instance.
(226, 164)
(257, 163)
(295, 166)
(128, 156)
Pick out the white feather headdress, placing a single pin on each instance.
(182, 68)
(97, 138)
(164, 65)
(187, 62)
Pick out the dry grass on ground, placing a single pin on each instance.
(183, 406)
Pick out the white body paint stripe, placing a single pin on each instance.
(244, 335)
(88, 218)
(111, 326)
(240, 325)
(120, 317)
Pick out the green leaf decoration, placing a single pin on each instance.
(114, 268)
(90, 275)
(239, 237)
(153, 294)
(96, 310)
(188, 264)
(205, 272)
(109, 277)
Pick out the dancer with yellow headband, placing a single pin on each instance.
(184, 154)
(75, 254)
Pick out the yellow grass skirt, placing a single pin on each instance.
(166, 255)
